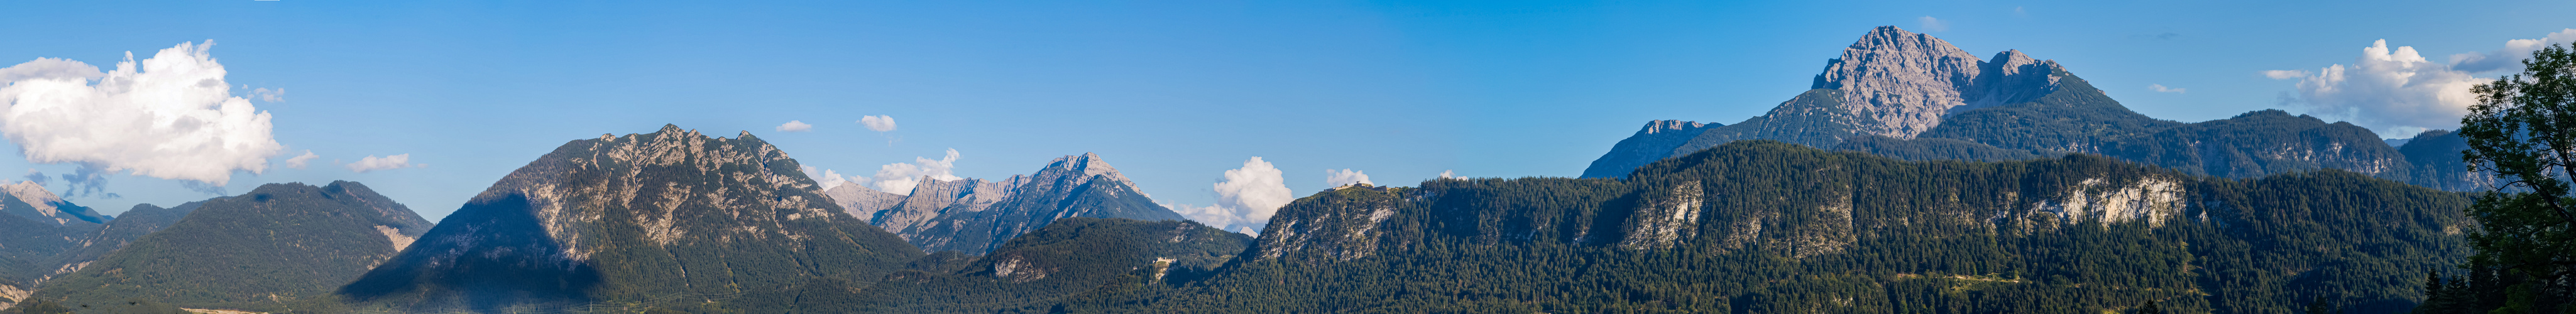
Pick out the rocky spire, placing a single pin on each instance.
(1897, 83)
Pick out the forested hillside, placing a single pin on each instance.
(1067, 257)
(1770, 227)
(278, 247)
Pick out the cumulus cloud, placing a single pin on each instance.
(2510, 58)
(795, 126)
(1447, 174)
(2395, 91)
(170, 116)
(373, 163)
(1246, 198)
(878, 123)
(899, 178)
(1933, 24)
(829, 179)
(1345, 177)
(269, 95)
(299, 161)
(2160, 88)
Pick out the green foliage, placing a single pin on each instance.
(279, 245)
(1089, 257)
(1784, 228)
(2526, 242)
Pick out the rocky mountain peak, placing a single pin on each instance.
(1897, 83)
(43, 205)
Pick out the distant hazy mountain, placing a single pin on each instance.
(863, 202)
(36, 225)
(278, 247)
(1911, 96)
(1070, 257)
(1653, 142)
(669, 220)
(974, 216)
(1772, 227)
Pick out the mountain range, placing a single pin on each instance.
(1914, 177)
(975, 216)
(1912, 96)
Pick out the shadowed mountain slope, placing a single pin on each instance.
(669, 220)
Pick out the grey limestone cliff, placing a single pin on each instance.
(638, 218)
(974, 216)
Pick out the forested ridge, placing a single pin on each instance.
(1785, 228)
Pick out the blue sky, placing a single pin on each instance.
(1173, 93)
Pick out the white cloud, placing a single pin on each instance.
(878, 123)
(2160, 88)
(2390, 90)
(1245, 200)
(269, 95)
(299, 161)
(1345, 177)
(795, 126)
(373, 163)
(170, 116)
(899, 178)
(829, 179)
(1447, 174)
(2285, 74)
(2510, 58)
(1933, 24)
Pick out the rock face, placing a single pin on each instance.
(1911, 96)
(268, 250)
(862, 202)
(974, 216)
(1891, 83)
(727, 224)
(1653, 142)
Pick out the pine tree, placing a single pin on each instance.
(2520, 130)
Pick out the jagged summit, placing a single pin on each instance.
(974, 216)
(635, 218)
(1652, 142)
(1891, 83)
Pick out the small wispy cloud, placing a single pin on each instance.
(2017, 11)
(1446, 174)
(373, 163)
(269, 95)
(299, 161)
(878, 123)
(1933, 24)
(795, 126)
(2285, 74)
(2160, 88)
